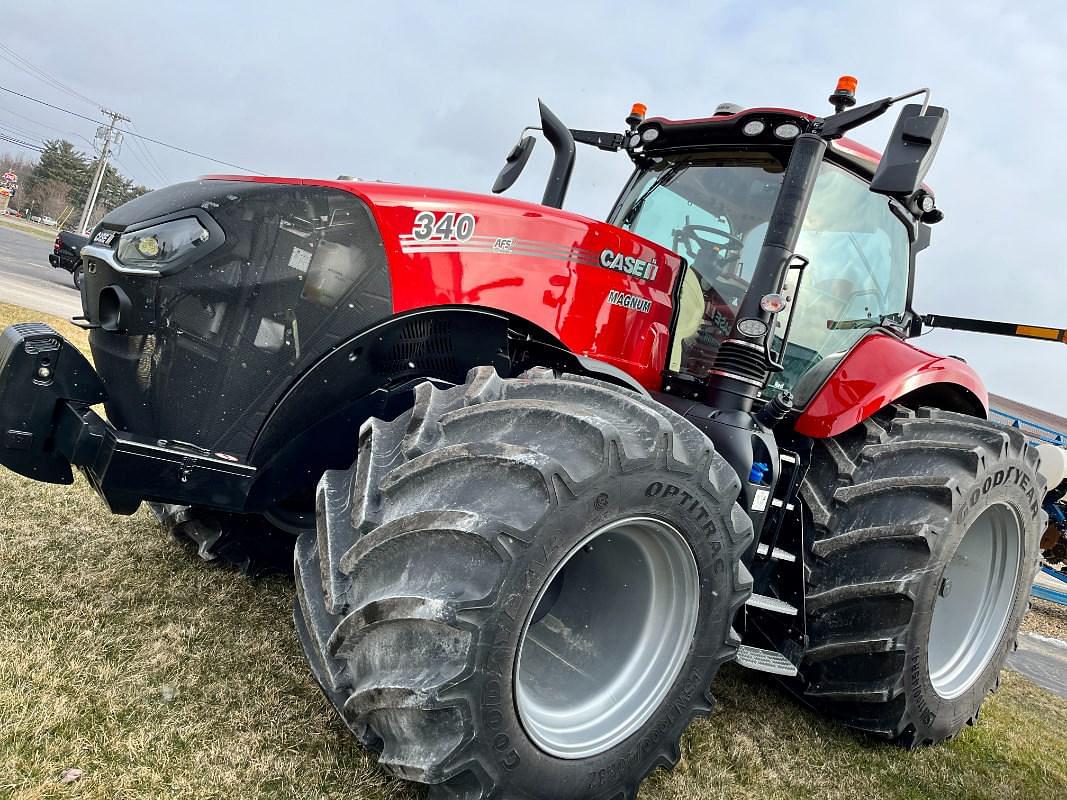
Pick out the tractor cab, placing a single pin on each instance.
(712, 205)
(708, 189)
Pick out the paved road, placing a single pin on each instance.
(27, 279)
(1043, 660)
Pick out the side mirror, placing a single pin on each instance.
(514, 164)
(910, 151)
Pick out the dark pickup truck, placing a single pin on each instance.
(67, 254)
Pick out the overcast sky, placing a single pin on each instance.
(435, 94)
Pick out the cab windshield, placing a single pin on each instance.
(714, 213)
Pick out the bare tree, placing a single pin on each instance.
(47, 198)
(18, 164)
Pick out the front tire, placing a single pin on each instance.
(523, 588)
(926, 528)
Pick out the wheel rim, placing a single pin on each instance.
(607, 637)
(972, 608)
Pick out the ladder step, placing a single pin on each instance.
(771, 604)
(765, 661)
(777, 553)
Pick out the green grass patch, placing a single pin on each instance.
(124, 656)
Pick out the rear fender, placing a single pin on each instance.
(881, 370)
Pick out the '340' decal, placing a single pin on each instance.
(449, 227)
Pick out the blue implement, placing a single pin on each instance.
(1050, 594)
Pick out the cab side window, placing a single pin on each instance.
(857, 275)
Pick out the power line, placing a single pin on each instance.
(187, 152)
(20, 143)
(150, 158)
(17, 131)
(131, 133)
(145, 169)
(38, 123)
(21, 63)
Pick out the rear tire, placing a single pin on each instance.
(497, 556)
(76, 276)
(926, 528)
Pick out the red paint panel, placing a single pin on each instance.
(538, 263)
(878, 371)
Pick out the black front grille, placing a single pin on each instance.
(424, 346)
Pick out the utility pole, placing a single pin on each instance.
(111, 137)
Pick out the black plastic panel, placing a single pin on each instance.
(39, 370)
(215, 344)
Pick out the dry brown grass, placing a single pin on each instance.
(157, 675)
(10, 314)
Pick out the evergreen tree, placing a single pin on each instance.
(61, 162)
(64, 176)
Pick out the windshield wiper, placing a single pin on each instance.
(664, 179)
(888, 321)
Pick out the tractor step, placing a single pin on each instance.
(777, 554)
(765, 661)
(771, 604)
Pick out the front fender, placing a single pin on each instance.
(881, 370)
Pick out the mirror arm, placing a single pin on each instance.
(834, 127)
(612, 142)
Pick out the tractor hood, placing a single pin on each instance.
(225, 291)
(599, 290)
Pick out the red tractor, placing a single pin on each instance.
(546, 474)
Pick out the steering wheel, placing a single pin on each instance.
(688, 236)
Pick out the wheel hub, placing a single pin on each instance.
(607, 637)
(977, 593)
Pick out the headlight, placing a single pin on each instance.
(161, 244)
(753, 127)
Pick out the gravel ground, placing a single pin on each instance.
(1047, 619)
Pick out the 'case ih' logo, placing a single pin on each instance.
(631, 265)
